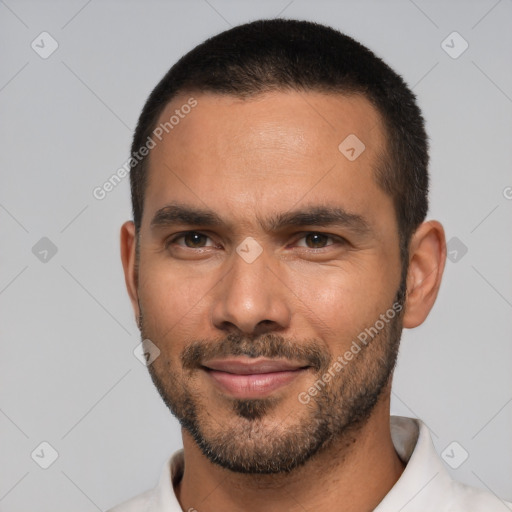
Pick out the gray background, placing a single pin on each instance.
(68, 373)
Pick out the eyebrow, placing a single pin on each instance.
(176, 213)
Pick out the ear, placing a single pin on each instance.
(427, 257)
(128, 257)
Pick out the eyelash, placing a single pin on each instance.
(336, 239)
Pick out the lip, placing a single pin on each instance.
(247, 366)
(252, 378)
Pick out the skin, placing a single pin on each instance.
(246, 160)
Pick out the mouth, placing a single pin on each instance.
(252, 378)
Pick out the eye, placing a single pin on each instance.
(318, 240)
(191, 239)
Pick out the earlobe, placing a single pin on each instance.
(427, 256)
(128, 258)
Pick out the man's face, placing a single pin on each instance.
(251, 305)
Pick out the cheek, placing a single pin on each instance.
(172, 298)
(340, 302)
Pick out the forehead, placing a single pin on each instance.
(273, 149)
(303, 120)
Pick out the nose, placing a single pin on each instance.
(251, 298)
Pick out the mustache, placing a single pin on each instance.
(272, 346)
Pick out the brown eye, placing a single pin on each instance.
(192, 240)
(316, 240)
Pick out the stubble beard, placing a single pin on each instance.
(255, 436)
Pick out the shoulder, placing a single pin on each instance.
(425, 483)
(463, 498)
(162, 497)
(140, 503)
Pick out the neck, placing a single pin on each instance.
(353, 473)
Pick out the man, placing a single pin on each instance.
(278, 248)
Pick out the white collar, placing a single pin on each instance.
(425, 484)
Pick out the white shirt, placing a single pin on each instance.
(425, 484)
